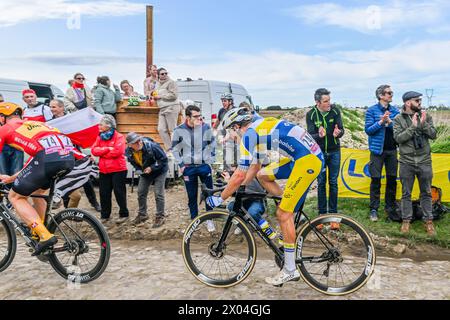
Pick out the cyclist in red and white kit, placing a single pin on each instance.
(51, 154)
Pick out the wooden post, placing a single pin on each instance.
(149, 39)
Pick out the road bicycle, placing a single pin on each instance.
(334, 260)
(83, 249)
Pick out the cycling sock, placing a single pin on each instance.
(289, 257)
(39, 228)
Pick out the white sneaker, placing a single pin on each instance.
(237, 231)
(282, 277)
(210, 226)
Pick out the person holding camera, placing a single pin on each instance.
(413, 128)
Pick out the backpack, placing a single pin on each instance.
(438, 209)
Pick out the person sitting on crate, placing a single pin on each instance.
(148, 158)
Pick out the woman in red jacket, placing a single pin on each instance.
(110, 148)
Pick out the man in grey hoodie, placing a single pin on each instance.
(166, 95)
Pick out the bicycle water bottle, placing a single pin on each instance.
(267, 229)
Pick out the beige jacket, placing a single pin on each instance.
(168, 92)
(71, 97)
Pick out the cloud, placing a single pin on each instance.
(272, 77)
(390, 17)
(15, 12)
(78, 59)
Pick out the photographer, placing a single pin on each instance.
(412, 130)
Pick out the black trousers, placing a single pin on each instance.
(90, 192)
(116, 182)
(388, 159)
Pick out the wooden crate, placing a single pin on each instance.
(141, 119)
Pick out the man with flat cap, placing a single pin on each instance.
(413, 128)
(147, 157)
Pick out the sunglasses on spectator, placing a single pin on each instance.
(197, 116)
(79, 78)
(163, 74)
(391, 93)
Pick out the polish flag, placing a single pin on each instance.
(81, 126)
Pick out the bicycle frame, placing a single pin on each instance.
(238, 210)
(24, 232)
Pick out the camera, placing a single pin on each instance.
(418, 141)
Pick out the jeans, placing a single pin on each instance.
(11, 160)
(191, 174)
(389, 159)
(113, 181)
(424, 174)
(254, 207)
(333, 162)
(159, 189)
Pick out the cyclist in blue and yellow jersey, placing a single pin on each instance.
(301, 162)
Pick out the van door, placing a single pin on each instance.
(43, 91)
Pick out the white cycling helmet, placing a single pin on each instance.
(226, 96)
(236, 116)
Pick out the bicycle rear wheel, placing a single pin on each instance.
(8, 244)
(348, 263)
(218, 268)
(87, 249)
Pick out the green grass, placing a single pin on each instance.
(358, 209)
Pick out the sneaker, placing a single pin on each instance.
(43, 245)
(405, 227)
(237, 231)
(159, 221)
(210, 226)
(140, 219)
(282, 277)
(97, 207)
(429, 226)
(122, 220)
(373, 215)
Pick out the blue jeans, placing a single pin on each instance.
(255, 208)
(333, 163)
(191, 175)
(11, 160)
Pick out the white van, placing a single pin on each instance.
(206, 95)
(11, 90)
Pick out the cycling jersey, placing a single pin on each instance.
(302, 162)
(33, 136)
(40, 112)
(51, 153)
(273, 134)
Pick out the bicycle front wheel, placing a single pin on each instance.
(335, 255)
(83, 249)
(8, 244)
(218, 267)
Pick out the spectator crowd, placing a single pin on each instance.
(398, 142)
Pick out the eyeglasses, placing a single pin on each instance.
(79, 78)
(163, 74)
(391, 93)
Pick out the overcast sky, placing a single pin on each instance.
(281, 51)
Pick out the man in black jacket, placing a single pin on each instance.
(149, 158)
(324, 124)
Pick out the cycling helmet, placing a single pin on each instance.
(9, 108)
(236, 116)
(226, 96)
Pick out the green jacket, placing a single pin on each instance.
(105, 99)
(405, 134)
